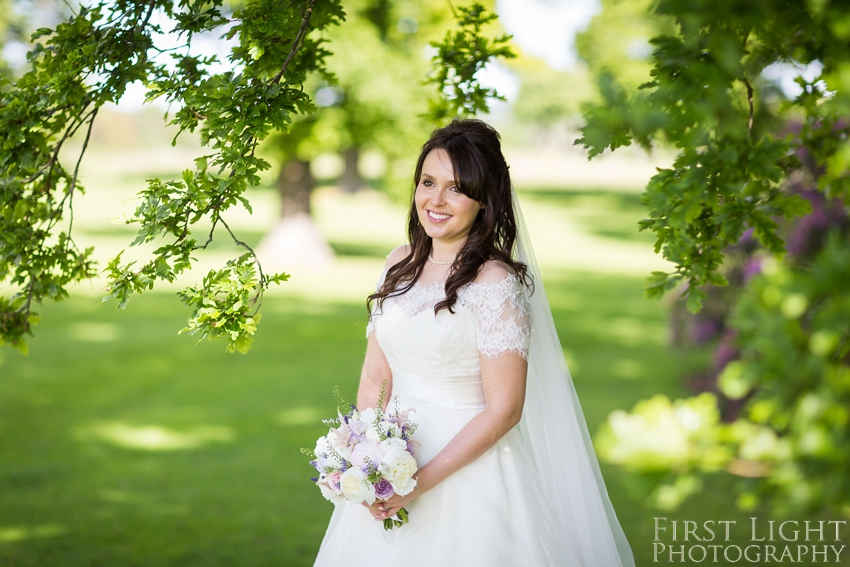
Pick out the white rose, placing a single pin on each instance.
(322, 445)
(385, 427)
(394, 444)
(328, 492)
(356, 487)
(324, 456)
(357, 426)
(368, 415)
(398, 467)
(372, 433)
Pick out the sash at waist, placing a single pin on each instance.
(448, 392)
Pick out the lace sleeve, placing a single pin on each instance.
(504, 321)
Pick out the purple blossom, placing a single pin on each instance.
(410, 447)
(705, 329)
(383, 489)
(809, 232)
(752, 268)
(726, 351)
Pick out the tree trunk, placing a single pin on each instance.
(295, 241)
(351, 182)
(295, 183)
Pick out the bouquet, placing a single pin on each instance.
(367, 455)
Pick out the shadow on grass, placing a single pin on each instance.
(142, 448)
(359, 249)
(609, 214)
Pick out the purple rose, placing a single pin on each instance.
(383, 489)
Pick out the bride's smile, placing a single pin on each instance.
(444, 211)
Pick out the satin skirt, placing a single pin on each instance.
(489, 513)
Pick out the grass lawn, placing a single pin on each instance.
(122, 444)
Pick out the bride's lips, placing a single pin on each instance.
(441, 217)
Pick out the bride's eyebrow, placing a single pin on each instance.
(431, 178)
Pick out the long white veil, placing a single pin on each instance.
(555, 434)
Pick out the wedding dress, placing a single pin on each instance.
(496, 511)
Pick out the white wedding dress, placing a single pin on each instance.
(491, 512)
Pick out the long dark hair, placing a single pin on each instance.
(475, 151)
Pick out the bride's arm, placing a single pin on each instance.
(503, 378)
(376, 371)
(503, 343)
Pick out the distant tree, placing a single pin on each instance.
(549, 98)
(374, 102)
(741, 155)
(617, 40)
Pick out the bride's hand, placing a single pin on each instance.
(378, 509)
(396, 502)
(383, 509)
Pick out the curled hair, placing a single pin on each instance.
(475, 152)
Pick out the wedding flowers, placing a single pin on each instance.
(367, 455)
(398, 467)
(356, 487)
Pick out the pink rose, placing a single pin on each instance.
(333, 482)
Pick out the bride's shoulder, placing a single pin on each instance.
(496, 287)
(495, 271)
(397, 255)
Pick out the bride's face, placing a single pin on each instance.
(446, 214)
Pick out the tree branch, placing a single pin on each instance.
(238, 242)
(70, 192)
(749, 100)
(296, 44)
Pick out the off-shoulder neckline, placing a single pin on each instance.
(509, 278)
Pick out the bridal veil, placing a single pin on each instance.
(555, 434)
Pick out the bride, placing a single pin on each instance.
(461, 331)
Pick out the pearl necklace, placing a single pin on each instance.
(440, 263)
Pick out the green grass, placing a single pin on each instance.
(78, 489)
(123, 444)
(600, 213)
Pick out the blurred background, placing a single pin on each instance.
(122, 443)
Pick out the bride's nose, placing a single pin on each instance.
(438, 198)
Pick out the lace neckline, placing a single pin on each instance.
(422, 288)
(423, 296)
